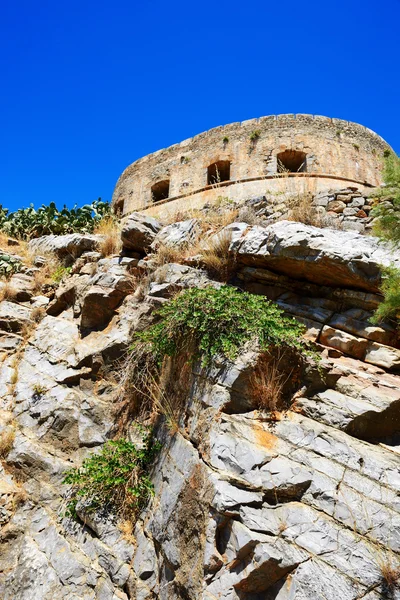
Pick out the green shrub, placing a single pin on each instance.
(59, 273)
(255, 135)
(27, 223)
(116, 479)
(390, 307)
(219, 322)
(9, 265)
(388, 213)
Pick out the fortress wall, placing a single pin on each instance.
(333, 148)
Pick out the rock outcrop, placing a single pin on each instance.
(303, 505)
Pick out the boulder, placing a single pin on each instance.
(321, 256)
(139, 232)
(69, 246)
(178, 234)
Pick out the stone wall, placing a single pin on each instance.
(336, 153)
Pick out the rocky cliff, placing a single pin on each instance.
(301, 505)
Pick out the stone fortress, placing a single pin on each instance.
(288, 154)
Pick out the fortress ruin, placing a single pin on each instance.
(275, 154)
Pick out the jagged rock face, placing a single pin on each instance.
(302, 507)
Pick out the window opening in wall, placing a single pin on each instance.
(292, 161)
(160, 190)
(119, 207)
(219, 171)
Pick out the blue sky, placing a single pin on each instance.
(88, 87)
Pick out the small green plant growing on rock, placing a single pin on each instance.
(39, 389)
(387, 213)
(116, 479)
(225, 140)
(59, 273)
(390, 307)
(255, 135)
(387, 226)
(220, 322)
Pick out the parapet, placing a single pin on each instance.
(275, 153)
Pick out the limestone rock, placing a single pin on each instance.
(177, 234)
(68, 247)
(139, 232)
(322, 256)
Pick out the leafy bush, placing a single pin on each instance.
(9, 265)
(390, 307)
(116, 479)
(388, 212)
(59, 273)
(387, 227)
(27, 223)
(219, 322)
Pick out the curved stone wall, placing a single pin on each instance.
(322, 153)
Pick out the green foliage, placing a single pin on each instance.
(225, 139)
(255, 135)
(388, 212)
(390, 307)
(219, 322)
(39, 389)
(59, 273)
(27, 223)
(116, 479)
(9, 265)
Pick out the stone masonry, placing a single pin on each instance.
(276, 154)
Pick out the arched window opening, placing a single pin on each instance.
(119, 208)
(219, 171)
(292, 161)
(160, 190)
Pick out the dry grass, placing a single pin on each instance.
(216, 258)
(147, 391)
(19, 497)
(111, 230)
(390, 571)
(7, 437)
(38, 313)
(45, 275)
(8, 292)
(266, 385)
(168, 254)
(126, 528)
(302, 210)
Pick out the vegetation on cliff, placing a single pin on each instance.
(28, 223)
(219, 321)
(116, 479)
(387, 214)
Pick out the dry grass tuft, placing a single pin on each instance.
(8, 292)
(111, 230)
(302, 210)
(45, 275)
(146, 391)
(7, 437)
(266, 386)
(216, 258)
(390, 571)
(126, 528)
(38, 313)
(168, 254)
